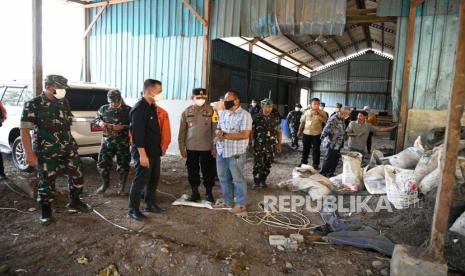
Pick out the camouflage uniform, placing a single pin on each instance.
(54, 145)
(293, 120)
(265, 137)
(114, 143)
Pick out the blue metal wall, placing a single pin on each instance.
(365, 79)
(233, 18)
(143, 39)
(433, 59)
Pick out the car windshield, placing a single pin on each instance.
(86, 99)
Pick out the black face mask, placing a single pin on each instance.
(228, 104)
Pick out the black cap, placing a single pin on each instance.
(199, 92)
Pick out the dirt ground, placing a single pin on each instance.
(185, 240)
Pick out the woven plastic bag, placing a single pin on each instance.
(401, 187)
(352, 175)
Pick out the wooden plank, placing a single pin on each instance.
(361, 11)
(206, 44)
(406, 79)
(195, 12)
(37, 74)
(368, 19)
(445, 189)
(97, 16)
(104, 3)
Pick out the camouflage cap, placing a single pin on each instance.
(266, 102)
(298, 105)
(114, 96)
(60, 81)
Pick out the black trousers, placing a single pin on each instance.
(2, 168)
(370, 137)
(330, 162)
(200, 161)
(145, 178)
(311, 142)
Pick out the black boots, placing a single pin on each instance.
(75, 204)
(104, 187)
(209, 195)
(46, 217)
(122, 185)
(259, 183)
(195, 196)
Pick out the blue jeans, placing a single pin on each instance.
(232, 180)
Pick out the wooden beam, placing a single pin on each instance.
(104, 3)
(366, 30)
(383, 44)
(382, 38)
(78, 1)
(339, 45)
(206, 44)
(284, 54)
(195, 12)
(304, 49)
(352, 39)
(360, 11)
(406, 79)
(368, 19)
(97, 16)
(383, 28)
(37, 74)
(322, 47)
(451, 142)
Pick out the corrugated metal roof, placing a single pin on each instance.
(252, 18)
(156, 17)
(125, 60)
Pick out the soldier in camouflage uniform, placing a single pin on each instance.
(53, 149)
(265, 140)
(114, 119)
(293, 121)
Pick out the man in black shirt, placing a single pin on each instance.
(146, 150)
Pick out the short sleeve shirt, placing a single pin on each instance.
(313, 125)
(359, 143)
(233, 122)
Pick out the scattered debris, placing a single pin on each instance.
(4, 268)
(82, 260)
(182, 201)
(111, 270)
(459, 225)
(297, 237)
(283, 243)
(32, 209)
(377, 264)
(289, 266)
(276, 240)
(384, 272)
(165, 250)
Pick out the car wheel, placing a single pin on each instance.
(19, 157)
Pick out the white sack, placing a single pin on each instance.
(352, 176)
(374, 180)
(401, 188)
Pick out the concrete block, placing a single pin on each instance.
(403, 264)
(276, 240)
(291, 245)
(297, 237)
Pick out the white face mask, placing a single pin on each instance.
(59, 94)
(158, 97)
(254, 104)
(199, 102)
(297, 109)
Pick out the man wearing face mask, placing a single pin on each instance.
(232, 139)
(254, 109)
(265, 142)
(293, 120)
(53, 149)
(333, 141)
(196, 134)
(113, 118)
(146, 149)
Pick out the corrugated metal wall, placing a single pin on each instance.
(365, 80)
(230, 71)
(433, 59)
(233, 18)
(145, 39)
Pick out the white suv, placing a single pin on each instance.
(84, 98)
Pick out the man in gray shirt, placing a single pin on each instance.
(196, 134)
(358, 132)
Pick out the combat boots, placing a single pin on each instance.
(103, 187)
(122, 185)
(195, 196)
(256, 183)
(263, 182)
(46, 217)
(209, 195)
(75, 204)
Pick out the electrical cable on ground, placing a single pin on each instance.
(13, 209)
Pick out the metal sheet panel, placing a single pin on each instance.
(429, 7)
(156, 17)
(432, 71)
(250, 18)
(125, 60)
